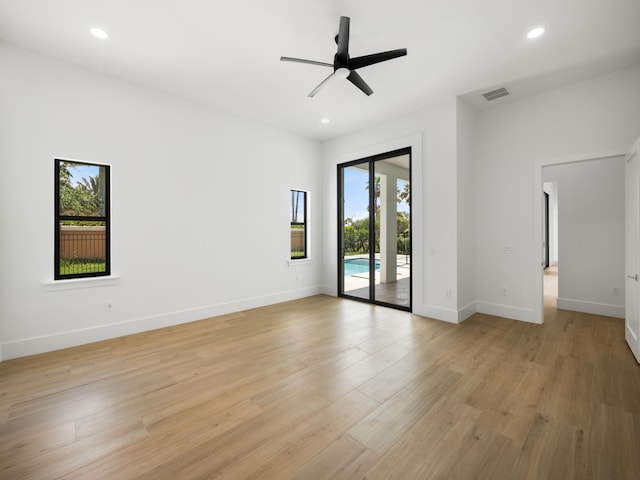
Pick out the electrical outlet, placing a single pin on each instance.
(108, 306)
(615, 291)
(505, 291)
(508, 250)
(447, 294)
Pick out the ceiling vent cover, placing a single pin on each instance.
(497, 93)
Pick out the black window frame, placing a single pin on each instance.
(58, 218)
(304, 223)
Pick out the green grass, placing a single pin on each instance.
(76, 266)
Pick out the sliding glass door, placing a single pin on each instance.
(374, 230)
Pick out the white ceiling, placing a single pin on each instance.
(226, 54)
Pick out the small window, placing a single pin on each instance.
(82, 220)
(298, 224)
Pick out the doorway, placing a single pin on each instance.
(545, 226)
(374, 229)
(632, 249)
(588, 234)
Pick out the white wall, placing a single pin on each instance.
(434, 202)
(465, 119)
(199, 206)
(591, 235)
(515, 139)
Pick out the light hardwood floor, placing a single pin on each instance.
(326, 388)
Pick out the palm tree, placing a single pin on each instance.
(295, 202)
(94, 187)
(376, 194)
(81, 199)
(405, 194)
(91, 184)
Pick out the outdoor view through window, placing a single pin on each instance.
(298, 217)
(82, 220)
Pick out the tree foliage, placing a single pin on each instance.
(405, 194)
(356, 235)
(82, 199)
(356, 232)
(295, 204)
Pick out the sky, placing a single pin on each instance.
(81, 171)
(356, 195)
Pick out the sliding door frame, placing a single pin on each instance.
(372, 231)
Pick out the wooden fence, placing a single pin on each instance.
(297, 239)
(87, 243)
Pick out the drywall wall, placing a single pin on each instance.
(466, 226)
(579, 121)
(591, 235)
(431, 133)
(200, 206)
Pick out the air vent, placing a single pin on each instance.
(497, 93)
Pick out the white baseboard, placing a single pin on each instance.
(466, 311)
(507, 311)
(437, 313)
(430, 311)
(330, 290)
(57, 341)
(593, 308)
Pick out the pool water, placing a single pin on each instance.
(354, 266)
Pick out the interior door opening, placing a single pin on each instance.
(545, 226)
(550, 244)
(374, 229)
(632, 250)
(584, 235)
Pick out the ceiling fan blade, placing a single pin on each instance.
(302, 60)
(343, 40)
(322, 84)
(367, 60)
(357, 80)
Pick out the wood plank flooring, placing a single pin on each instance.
(326, 388)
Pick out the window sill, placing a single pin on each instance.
(75, 283)
(301, 261)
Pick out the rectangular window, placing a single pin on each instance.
(298, 224)
(82, 220)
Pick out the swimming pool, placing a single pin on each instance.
(354, 266)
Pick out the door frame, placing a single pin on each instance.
(632, 330)
(538, 214)
(371, 160)
(546, 230)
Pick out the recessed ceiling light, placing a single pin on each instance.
(535, 32)
(325, 120)
(99, 33)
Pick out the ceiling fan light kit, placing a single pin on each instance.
(343, 65)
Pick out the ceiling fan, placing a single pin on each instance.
(345, 66)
